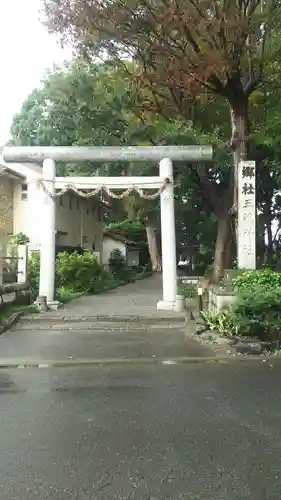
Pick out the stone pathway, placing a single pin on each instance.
(135, 299)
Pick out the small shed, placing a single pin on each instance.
(115, 241)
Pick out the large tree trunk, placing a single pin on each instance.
(223, 246)
(152, 247)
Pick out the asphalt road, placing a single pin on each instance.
(192, 431)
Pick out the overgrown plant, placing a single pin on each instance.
(19, 239)
(33, 274)
(79, 272)
(258, 313)
(222, 322)
(188, 290)
(118, 266)
(260, 278)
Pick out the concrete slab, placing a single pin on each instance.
(110, 343)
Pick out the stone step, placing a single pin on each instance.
(91, 326)
(102, 318)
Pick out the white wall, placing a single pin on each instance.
(26, 204)
(108, 245)
(79, 218)
(131, 254)
(75, 216)
(21, 212)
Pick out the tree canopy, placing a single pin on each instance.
(157, 98)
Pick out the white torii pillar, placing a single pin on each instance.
(168, 239)
(48, 235)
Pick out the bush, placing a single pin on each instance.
(119, 268)
(33, 274)
(260, 278)
(222, 322)
(19, 239)
(258, 313)
(188, 290)
(79, 273)
(117, 262)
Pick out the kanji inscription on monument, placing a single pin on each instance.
(246, 233)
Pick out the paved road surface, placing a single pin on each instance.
(152, 432)
(98, 341)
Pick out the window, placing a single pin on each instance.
(24, 189)
(87, 211)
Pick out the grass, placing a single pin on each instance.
(65, 296)
(188, 290)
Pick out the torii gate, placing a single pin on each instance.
(46, 192)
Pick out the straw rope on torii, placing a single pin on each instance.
(109, 192)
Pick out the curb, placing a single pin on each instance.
(127, 361)
(14, 318)
(104, 318)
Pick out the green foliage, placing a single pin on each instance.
(66, 293)
(222, 321)
(258, 313)
(79, 272)
(131, 229)
(260, 278)
(33, 274)
(188, 290)
(19, 239)
(117, 262)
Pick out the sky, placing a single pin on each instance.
(27, 50)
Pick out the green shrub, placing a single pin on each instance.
(119, 268)
(19, 239)
(33, 274)
(222, 321)
(258, 313)
(188, 290)
(253, 279)
(79, 272)
(66, 294)
(117, 262)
